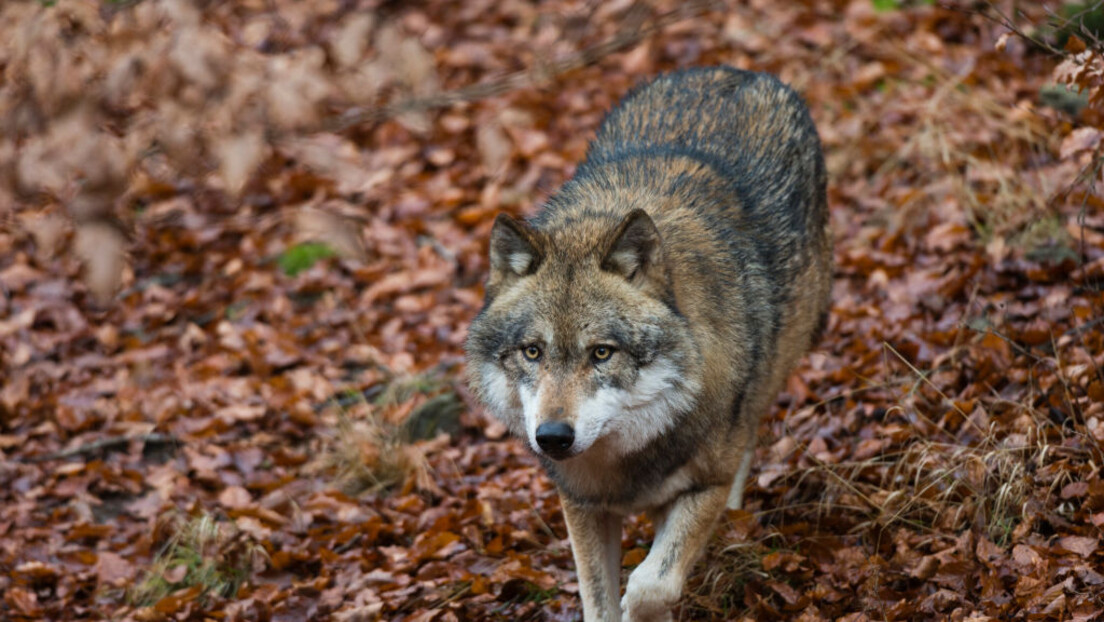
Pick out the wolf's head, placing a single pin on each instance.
(580, 340)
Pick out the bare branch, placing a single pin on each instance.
(104, 445)
(635, 29)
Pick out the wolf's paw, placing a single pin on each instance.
(648, 597)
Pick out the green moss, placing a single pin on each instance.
(302, 257)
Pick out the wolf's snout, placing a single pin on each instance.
(555, 438)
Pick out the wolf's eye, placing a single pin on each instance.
(601, 353)
(533, 353)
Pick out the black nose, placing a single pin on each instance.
(555, 438)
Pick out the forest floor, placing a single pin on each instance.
(226, 433)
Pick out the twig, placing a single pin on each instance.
(103, 445)
(1084, 328)
(924, 378)
(1006, 21)
(629, 35)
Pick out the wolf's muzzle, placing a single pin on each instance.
(555, 439)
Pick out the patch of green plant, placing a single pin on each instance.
(201, 553)
(440, 413)
(401, 389)
(235, 310)
(884, 6)
(1076, 18)
(303, 256)
(1063, 98)
(1046, 240)
(1000, 531)
(537, 595)
(517, 592)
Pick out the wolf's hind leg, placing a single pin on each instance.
(745, 441)
(736, 495)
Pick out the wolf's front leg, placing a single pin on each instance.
(596, 544)
(683, 529)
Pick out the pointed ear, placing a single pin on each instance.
(636, 250)
(515, 249)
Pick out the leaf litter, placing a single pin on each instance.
(248, 238)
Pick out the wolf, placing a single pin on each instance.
(638, 327)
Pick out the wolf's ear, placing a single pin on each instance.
(636, 250)
(515, 249)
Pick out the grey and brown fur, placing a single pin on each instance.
(693, 246)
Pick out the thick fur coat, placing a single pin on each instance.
(636, 330)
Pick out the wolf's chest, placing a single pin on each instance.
(619, 490)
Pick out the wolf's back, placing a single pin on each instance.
(749, 127)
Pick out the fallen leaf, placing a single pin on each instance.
(101, 248)
(1080, 139)
(112, 568)
(1082, 545)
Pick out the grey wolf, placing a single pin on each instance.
(636, 330)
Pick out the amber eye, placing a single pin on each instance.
(533, 353)
(602, 353)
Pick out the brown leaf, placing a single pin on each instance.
(111, 568)
(101, 248)
(48, 230)
(238, 157)
(1075, 490)
(788, 593)
(1095, 391)
(1075, 45)
(175, 574)
(200, 55)
(241, 412)
(1080, 139)
(1082, 545)
(633, 557)
(23, 600)
(926, 568)
(494, 146)
(235, 497)
(1027, 557)
(339, 233)
(296, 87)
(411, 63)
(352, 39)
(1057, 607)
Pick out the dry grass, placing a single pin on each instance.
(980, 479)
(201, 556)
(940, 484)
(970, 152)
(370, 449)
(981, 169)
(369, 455)
(731, 565)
